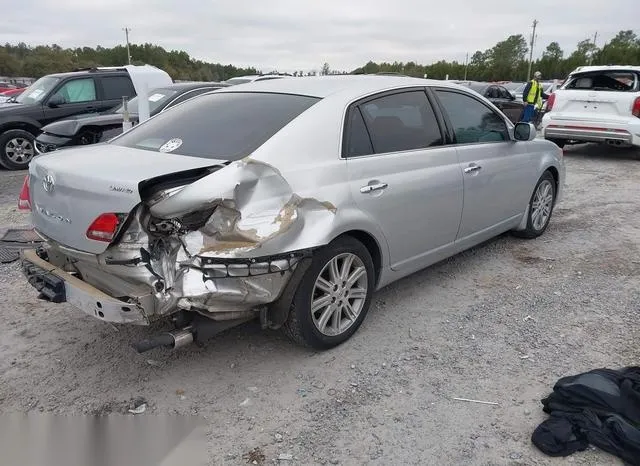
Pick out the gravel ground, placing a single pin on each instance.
(499, 323)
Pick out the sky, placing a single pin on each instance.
(290, 35)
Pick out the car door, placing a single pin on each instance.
(497, 172)
(403, 176)
(509, 105)
(114, 88)
(74, 96)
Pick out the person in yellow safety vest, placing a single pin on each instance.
(532, 96)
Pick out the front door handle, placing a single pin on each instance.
(373, 187)
(472, 168)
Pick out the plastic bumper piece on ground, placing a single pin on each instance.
(59, 286)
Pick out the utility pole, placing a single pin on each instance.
(533, 39)
(595, 37)
(466, 65)
(126, 33)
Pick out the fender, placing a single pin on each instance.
(19, 122)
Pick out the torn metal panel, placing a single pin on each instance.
(256, 213)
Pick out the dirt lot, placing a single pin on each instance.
(499, 323)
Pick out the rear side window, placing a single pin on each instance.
(358, 142)
(624, 81)
(116, 87)
(224, 126)
(401, 122)
(472, 121)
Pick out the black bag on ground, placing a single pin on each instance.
(600, 407)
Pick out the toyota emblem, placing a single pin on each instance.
(48, 182)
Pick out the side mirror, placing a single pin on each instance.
(56, 101)
(524, 132)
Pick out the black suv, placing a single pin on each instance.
(51, 98)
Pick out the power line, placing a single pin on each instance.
(126, 33)
(533, 39)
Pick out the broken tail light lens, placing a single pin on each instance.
(104, 228)
(24, 201)
(635, 108)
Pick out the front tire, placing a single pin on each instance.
(17, 148)
(333, 297)
(541, 207)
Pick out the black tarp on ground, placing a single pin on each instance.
(600, 407)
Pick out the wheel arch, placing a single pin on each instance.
(26, 124)
(373, 246)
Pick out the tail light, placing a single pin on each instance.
(104, 228)
(24, 201)
(550, 101)
(635, 109)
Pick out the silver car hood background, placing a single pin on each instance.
(82, 183)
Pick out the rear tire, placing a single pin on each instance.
(541, 207)
(333, 296)
(17, 148)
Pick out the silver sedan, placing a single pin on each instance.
(288, 200)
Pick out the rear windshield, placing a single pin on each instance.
(224, 126)
(624, 81)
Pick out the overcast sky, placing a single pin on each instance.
(290, 35)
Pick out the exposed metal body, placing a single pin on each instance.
(270, 211)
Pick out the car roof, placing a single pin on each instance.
(351, 86)
(596, 68)
(186, 86)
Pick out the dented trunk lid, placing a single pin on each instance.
(71, 188)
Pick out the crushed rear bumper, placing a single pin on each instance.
(60, 286)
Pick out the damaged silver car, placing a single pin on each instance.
(290, 201)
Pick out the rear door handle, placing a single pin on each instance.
(472, 168)
(373, 187)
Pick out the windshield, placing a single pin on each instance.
(38, 90)
(238, 80)
(222, 126)
(513, 86)
(158, 98)
(479, 88)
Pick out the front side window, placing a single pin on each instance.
(77, 90)
(220, 125)
(401, 122)
(117, 87)
(472, 121)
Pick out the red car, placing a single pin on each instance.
(12, 92)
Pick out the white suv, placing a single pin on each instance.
(596, 104)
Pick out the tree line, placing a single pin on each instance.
(34, 62)
(507, 60)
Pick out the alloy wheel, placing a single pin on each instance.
(542, 205)
(19, 150)
(339, 294)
